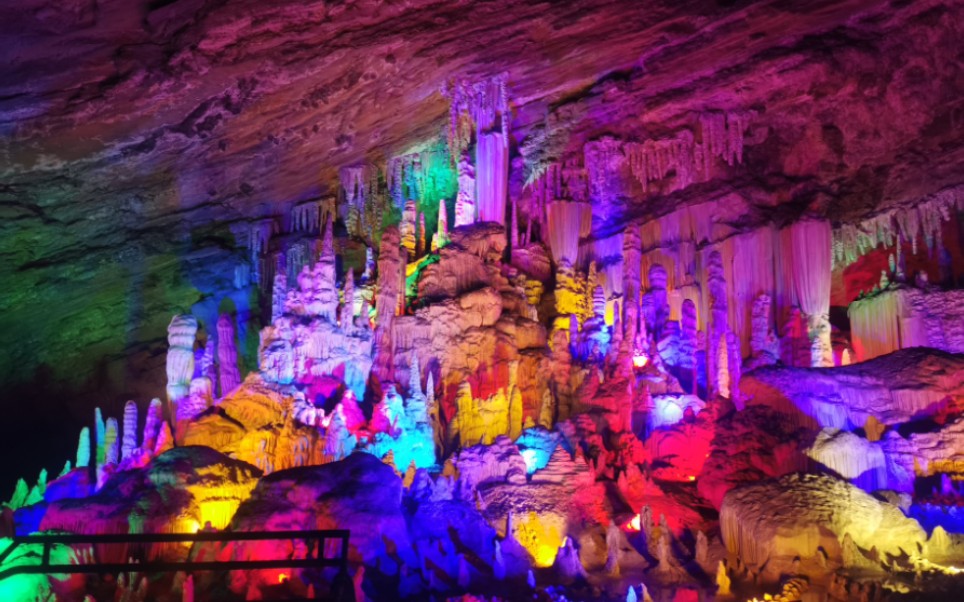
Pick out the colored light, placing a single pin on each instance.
(283, 578)
(640, 360)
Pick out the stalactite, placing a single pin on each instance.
(229, 376)
(567, 223)
(514, 225)
(806, 260)
(689, 161)
(361, 189)
(733, 367)
(923, 218)
(492, 174)
(306, 217)
(484, 104)
(129, 445)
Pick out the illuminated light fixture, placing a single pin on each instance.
(282, 577)
(640, 360)
(634, 524)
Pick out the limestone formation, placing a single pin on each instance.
(180, 356)
(703, 276)
(228, 373)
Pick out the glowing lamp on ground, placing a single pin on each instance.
(282, 578)
(633, 524)
(640, 360)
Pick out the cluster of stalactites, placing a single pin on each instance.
(311, 216)
(909, 223)
(256, 238)
(480, 112)
(565, 181)
(364, 199)
(568, 222)
(475, 106)
(691, 161)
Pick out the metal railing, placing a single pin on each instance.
(315, 557)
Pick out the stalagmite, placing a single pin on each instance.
(152, 425)
(722, 580)
(654, 305)
(764, 346)
(420, 246)
(716, 348)
(324, 296)
(632, 278)
(441, 236)
(129, 445)
(347, 321)
(465, 201)
(339, 441)
(702, 548)
(390, 270)
(613, 539)
(688, 344)
(180, 356)
(229, 376)
(279, 291)
(165, 439)
(83, 448)
(111, 442)
(407, 229)
(100, 436)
